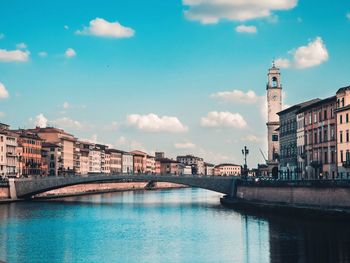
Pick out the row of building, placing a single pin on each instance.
(54, 152)
(314, 140)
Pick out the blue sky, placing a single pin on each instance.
(149, 81)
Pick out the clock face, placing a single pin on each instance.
(274, 96)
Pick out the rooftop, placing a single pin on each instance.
(343, 89)
(298, 106)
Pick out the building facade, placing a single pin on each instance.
(288, 163)
(227, 169)
(320, 139)
(127, 163)
(343, 127)
(196, 163)
(8, 153)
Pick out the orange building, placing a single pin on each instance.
(31, 158)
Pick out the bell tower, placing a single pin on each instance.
(274, 105)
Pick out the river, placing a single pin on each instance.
(182, 225)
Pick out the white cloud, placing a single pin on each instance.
(41, 121)
(42, 54)
(21, 46)
(315, 53)
(246, 29)
(311, 55)
(250, 138)
(102, 28)
(223, 119)
(13, 55)
(154, 123)
(66, 122)
(129, 144)
(237, 96)
(212, 11)
(65, 105)
(282, 63)
(4, 94)
(2, 35)
(184, 145)
(70, 52)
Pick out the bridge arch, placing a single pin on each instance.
(28, 187)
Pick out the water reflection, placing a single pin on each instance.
(185, 225)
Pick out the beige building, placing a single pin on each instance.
(227, 169)
(127, 163)
(150, 164)
(53, 158)
(343, 129)
(64, 141)
(115, 161)
(140, 161)
(84, 161)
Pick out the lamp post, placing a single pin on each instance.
(245, 152)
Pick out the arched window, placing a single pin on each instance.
(274, 82)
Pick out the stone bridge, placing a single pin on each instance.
(28, 187)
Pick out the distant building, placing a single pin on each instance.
(84, 161)
(115, 161)
(127, 163)
(95, 160)
(53, 158)
(8, 154)
(288, 140)
(63, 140)
(150, 164)
(209, 168)
(196, 163)
(343, 127)
(140, 161)
(157, 166)
(319, 153)
(159, 155)
(227, 169)
(31, 159)
(168, 166)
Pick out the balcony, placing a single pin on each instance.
(346, 164)
(316, 164)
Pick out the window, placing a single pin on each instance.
(315, 118)
(274, 82)
(332, 156)
(341, 136)
(275, 138)
(341, 156)
(347, 135)
(325, 137)
(326, 157)
(325, 115)
(347, 118)
(319, 116)
(341, 119)
(347, 155)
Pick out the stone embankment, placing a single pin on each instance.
(92, 189)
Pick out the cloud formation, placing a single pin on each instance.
(102, 28)
(310, 55)
(184, 145)
(246, 29)
(41, 121)
(13, 55)
(238, 96)
(223, 119)
(66, 122)
(21, 46)
(154, 123)
(4, 94)
(70, 52)
(42, 54)
(213, 11)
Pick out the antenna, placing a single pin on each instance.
(263, 155)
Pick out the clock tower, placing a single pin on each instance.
(274, 105)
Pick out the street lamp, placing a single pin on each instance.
(245, 152)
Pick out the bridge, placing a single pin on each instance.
(25, 188)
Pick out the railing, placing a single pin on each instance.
(346, 164)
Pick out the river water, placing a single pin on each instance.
(183, 225)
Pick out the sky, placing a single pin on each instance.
(183, 77)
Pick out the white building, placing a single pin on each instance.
(128, 162)
(209, 168)
(95, 160)
(227, 169)
(196, 163)
(150, 164)
(8, 154)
